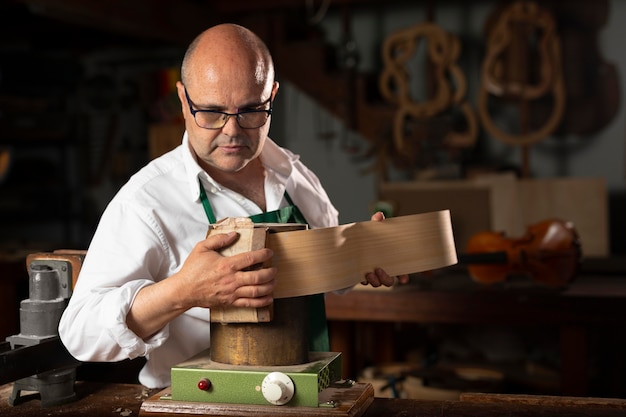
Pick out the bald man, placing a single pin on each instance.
(150, 276)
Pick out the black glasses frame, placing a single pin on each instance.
(226, 116)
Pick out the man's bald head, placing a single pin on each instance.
(227, 69)
(228, 46)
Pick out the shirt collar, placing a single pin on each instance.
(273, 157)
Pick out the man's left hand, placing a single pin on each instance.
(379, 277)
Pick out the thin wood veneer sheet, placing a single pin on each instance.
(329, 259)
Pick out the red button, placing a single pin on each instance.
(204, 384)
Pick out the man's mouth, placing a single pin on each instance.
(232, 148)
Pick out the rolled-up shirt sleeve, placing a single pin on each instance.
(94, 328)
(125, 256)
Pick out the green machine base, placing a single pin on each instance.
(201, 380)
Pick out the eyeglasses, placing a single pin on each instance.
(213, 119)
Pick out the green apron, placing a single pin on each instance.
(318, 327)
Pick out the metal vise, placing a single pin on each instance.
(37, 360)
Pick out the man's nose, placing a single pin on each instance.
(231, 125)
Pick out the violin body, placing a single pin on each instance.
(549, 252)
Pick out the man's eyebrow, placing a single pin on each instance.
(255, 104)
(217, 107)
(209, 107)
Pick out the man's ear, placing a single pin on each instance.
(275, 90)
(180, 89)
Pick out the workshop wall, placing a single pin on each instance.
(320, 138)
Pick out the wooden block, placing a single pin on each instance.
(73, 257)
(251, 237)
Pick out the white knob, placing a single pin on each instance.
(277, 388)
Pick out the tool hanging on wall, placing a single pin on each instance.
(446, 84)
(522, 65)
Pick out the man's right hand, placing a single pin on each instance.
(214, 280)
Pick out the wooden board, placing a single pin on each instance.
(323, 260)
(348, 402)
(582, 201)
(547, 400)
(506, 204)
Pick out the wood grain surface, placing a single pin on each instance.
(330, 259)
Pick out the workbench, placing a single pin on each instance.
(589, 303)
(114, 400)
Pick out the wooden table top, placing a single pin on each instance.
(113, 400)
(94, 400)
(589, 301)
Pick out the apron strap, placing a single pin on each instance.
(205, 203)
(318, 325)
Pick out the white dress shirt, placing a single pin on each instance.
(144, 236)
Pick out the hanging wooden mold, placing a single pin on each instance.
(522, 67)
(430, 120)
